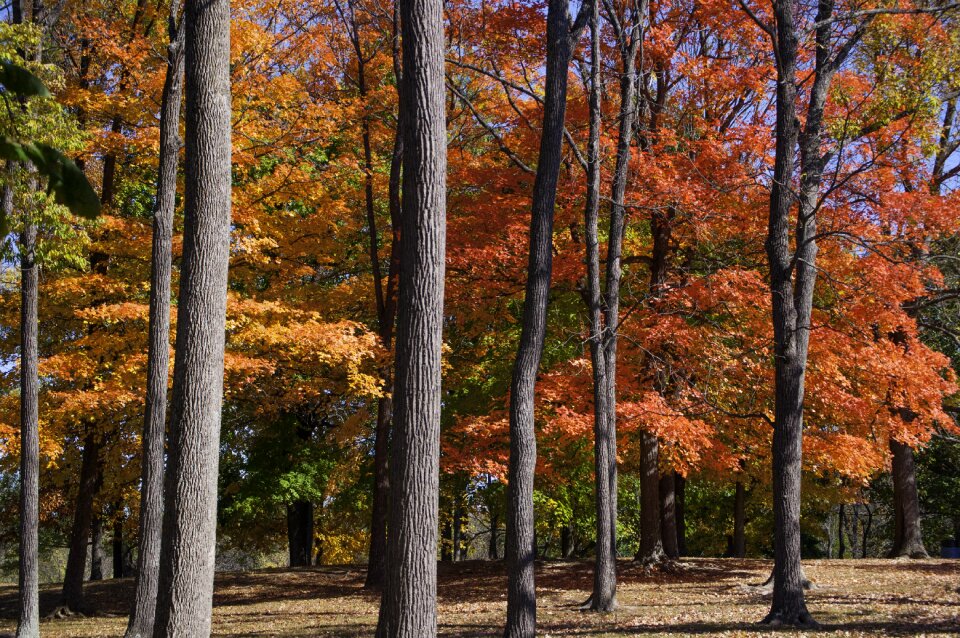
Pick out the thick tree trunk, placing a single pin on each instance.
(189, 525)
(651, 545)
(740, 521)
(680, 495)
(97, 555)
(604, 596)
(144, 607)
(668, 516)
(408, 606)
(88, 485)
(28, 622)
(908, 535)
(300, 533)
(521, 548)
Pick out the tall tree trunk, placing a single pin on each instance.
(521, 547)
(300, 533)
(88, 485)
(493, 547)
(376, 561)
(189, 525)
(841, 523)
(668, 516)
(866, 531)
(408, 606)
(680, 495)
(144, 608)
(28, 623)
(604, 596)
(908, 541)
(97, 555)
(740, 521)
(651, 545)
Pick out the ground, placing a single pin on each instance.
(702, 597)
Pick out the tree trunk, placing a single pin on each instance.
(300, 533)
(189, 525)
(88, 485)
(28, 623)
(119, 556)
(456, 536)
(97, 556)
(604, 596)
(841, 523)
(493, 548)
(908, 540)
(150, 530)
(680, 495)
(376, 561)
(866, 531)
(651, 545)
(408, 606)
(521, 548)
(668, 516)
(740, 521)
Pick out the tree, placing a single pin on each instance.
(408, 605)
(158, 356)
(189, 525)
(562, 34)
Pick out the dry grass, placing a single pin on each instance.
(703, 597)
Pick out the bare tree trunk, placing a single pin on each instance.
(188, 549)
(604, 596)
(521, 548)
(376, 561)
(150, 530)
(300, 533)
(740, 521)
(118, 546)
(651, 545)
(668, 515)
(908, 541)
(680, 495)
(88, 485)
(97, 555)
(493, 548)
(408, 606)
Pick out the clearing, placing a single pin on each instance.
(703, 597)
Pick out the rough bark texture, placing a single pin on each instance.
(408, 606)
(908, 536)
(791, 315)
(28, 623)
(189, 524)
(71, 595)
(300, 533)
(651, 545)
(668, 516)
(521, 546)
(144, 607)
(739, 521)
(97, 556)
(604, 596)
(680, 495)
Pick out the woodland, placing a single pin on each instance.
(419, 318)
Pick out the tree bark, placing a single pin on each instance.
(841, 523)
(119, 556)
(493, 547)
(188, 549)
(668, 516)
(908, 534)
(521, 548)
(71, 595)
(651, 544)
(740, 521)
(97, 555)
(28, 622)
(376, 561)
(300, 533)
(144, 607)
(604, 596)
(680, 495)
(408, 606)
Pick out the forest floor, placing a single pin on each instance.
(701, 597)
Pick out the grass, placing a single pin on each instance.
(701, 597)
